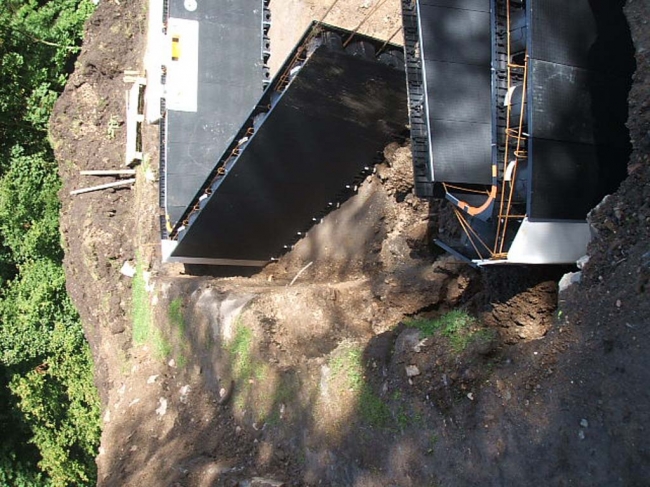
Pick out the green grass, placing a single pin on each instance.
(143, 329)
(182, 361)
(449, 323)
(161, 346)
(240, 348)
(372, 408)
(284, 393)
(347, 362)
(455, 325)
(141, 309)
(175, 314)
(404, 415)
(247, 369)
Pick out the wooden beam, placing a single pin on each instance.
(103, 186)
(108, 172)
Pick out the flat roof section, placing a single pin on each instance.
(214, 76)
(302, 145)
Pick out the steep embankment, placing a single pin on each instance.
(211, 381)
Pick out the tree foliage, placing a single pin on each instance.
(37, 40)
(50, 413)
(29, 207)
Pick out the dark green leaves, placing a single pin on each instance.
(50, 408)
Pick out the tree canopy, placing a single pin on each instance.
(50, 414)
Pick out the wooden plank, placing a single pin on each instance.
(134, 119)
(103, 186)
(108, 172)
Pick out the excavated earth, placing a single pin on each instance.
(308, 373)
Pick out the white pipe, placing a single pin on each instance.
(103, 186)
(108, 172)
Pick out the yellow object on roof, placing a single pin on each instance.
(176, 47)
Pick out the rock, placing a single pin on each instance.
(407, 341)
(412, 371)
(162, 408)
(148, 283)
(582, 262)
(226, 392)
(383, 171)
(584, 423)
(184, 392)
(418, 348)
(128, 269)
(581, 434)
(568, 280)
(152, 379)
(263, 482)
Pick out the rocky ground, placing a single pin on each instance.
(320, 377)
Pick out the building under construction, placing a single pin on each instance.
(518, 111)
(246, 172)
(517, 117)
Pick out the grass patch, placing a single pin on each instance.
(175, 314)
(161, 346)
(182, 361)
(240, 348)
(285, 392)
(141, 308)
(347, 363)
(457, 326)
(404, 415)
(143, 330)
(373, 409)
(248, 369)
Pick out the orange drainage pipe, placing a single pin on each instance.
(476, 210)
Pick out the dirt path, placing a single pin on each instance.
(329, 381)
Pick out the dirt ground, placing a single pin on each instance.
(308, 373)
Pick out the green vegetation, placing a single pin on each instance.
(144, 331)
(404, 415)
(346, 362)
(50, 409)
(175, 313)
(285, 392)
(140, 307)
(246, 369)
(457, 326)
(240, 348)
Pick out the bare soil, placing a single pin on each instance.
(308, 372)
